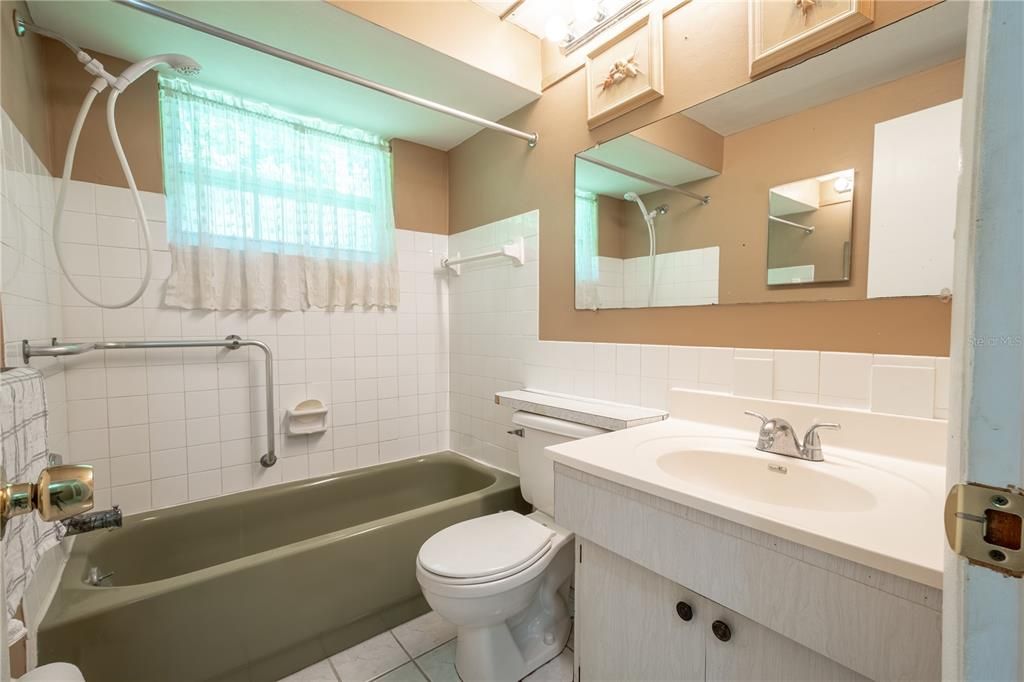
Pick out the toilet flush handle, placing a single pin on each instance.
(517, 432)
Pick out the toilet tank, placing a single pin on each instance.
(536, 468)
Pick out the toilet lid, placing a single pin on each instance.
(485, 546)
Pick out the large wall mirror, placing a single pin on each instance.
(831, 180)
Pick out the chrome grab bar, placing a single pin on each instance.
(232, 342)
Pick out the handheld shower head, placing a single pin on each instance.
(179, 62)
(631, 196)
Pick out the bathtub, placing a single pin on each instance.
(260, 584)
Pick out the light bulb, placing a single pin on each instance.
(556, 28)
(842, 184)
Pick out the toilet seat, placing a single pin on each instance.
(479, 580)
(485, 549)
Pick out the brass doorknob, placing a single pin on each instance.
(60, 492)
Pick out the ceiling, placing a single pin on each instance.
(640, 156)
(924, 40)
(312, 29)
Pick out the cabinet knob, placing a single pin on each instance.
(722, 631)
(684, 610)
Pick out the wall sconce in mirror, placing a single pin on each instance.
(809, 229)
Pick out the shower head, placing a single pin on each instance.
(186, 66)
(631, 196)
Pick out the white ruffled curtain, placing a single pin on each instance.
(587, 266)
(271, 211)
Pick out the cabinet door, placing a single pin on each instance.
(753, 652)
(628, 626)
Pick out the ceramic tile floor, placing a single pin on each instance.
(422, 649)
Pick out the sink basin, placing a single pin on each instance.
(728, 468)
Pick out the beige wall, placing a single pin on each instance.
(824, 248)
(612, 222)
(22, 82)
(462, 30)
(831, 137)
(420, 187)
(420, 173)
(138, 122)
(494, 176)
(687, 138)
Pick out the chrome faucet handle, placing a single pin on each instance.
(751, 413)
(811, 448)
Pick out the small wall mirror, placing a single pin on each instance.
(809, 228)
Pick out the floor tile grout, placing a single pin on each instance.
(391, 670)
(415, 660)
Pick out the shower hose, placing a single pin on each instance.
(69, 160)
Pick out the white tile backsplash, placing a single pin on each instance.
(752, 377)
(493, 349)
(908, 390)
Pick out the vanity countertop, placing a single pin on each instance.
(879, 510)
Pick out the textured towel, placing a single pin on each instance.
(24, 455)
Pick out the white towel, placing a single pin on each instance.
(15, 630)
(24, 455)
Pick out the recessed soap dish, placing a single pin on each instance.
(309, 416)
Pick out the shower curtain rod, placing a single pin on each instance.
(702, 198)
(209, 29)
(806, 228)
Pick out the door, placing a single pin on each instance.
(5, 664)
(633, 624)
(738, 649)
(983, 610)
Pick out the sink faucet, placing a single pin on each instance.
(777, 436)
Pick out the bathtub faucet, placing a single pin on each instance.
(85, 523)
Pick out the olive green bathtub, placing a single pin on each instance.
(260, 584)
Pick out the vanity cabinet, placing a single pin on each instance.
(633, 624)
(793, 612)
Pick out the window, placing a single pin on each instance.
(247, 178)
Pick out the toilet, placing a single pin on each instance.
(503, 579)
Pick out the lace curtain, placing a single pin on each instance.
(587, 269)
(271, 211)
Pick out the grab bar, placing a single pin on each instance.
(515, 250)
(233, 342)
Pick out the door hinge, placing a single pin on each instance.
(581, 554)
(985, 524)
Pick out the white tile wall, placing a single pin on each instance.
(495, 347)
(29, 280)
(169, 426)
(687, 277)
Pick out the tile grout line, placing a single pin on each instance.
(391, 670)
(415, 659)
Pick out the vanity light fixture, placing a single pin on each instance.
(558, 30)
(568, 23)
